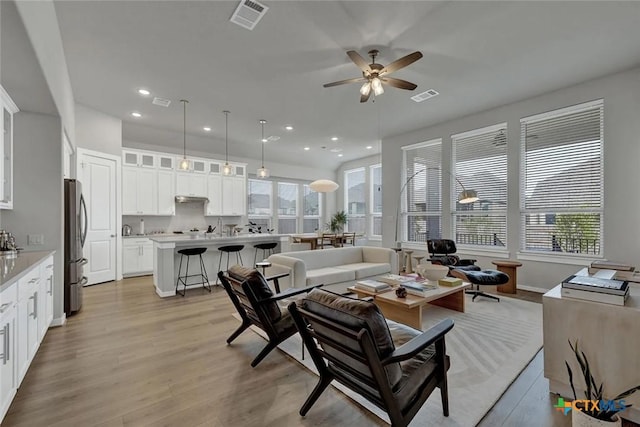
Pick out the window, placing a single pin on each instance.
(311, 210)
(287, 207)
(354, 200)
(420, 195)
(562, 180)
(375, 173)
(480, 164)
(259, 199)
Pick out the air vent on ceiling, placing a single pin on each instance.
(273, 138)
(248, 14)
(336, 150)
(161, 102)
(425, 95)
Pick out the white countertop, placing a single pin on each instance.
(12, 269)
(212, 238)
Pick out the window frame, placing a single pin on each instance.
(303, 188)
(269, 216)
(277, 213)
(372, 213)
(456, 188)
(362, 216)
(525, 212)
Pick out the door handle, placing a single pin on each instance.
(4, 307)
(84, 281)
(50, 291)
(5, 344)
(83, 261)
(113, 235)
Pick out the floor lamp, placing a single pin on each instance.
(465, 196)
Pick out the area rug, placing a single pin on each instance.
(490, 344)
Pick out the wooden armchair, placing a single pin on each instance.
(350, 342)
(257, 305)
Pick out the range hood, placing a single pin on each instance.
(190, 199)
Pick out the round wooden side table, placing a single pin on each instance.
(508, 267)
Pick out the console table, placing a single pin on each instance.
(608, 336)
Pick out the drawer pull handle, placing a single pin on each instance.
(4, 307)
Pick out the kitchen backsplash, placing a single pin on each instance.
(188, 216)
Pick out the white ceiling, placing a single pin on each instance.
(477, 54)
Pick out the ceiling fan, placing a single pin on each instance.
(374, 76)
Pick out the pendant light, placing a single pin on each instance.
(184, 163)
(262, 172)
(324, 186)
(226, 169)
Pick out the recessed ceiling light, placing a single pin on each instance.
(207, 129)
(369, 147)
(307, 148)
(136, 114)
(334, 138)
(144, 92)
(339, 155)
(288, 127)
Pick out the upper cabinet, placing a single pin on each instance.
(142, 160)
(9, 108)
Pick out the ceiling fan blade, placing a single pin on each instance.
(400, 84)
(342, 82)
(359, 61)
(365, 98)
(401, 63)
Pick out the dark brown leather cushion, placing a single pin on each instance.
(356, 314)
(259, 286)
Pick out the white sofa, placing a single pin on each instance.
(336, 268)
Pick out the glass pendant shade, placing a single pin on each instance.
(376, 84)
(262, 172)
(365, 89)
(226, 169)
(184, 164)
(323, 186)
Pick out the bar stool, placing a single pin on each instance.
(189, 252)
(266, 248)
(228, 250)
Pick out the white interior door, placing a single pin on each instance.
(98, 177)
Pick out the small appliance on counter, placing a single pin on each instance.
(8, 247)
(126, 230)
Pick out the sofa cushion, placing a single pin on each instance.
(356, 314)
(329, 257)
(366, 269)
(258, 285)
(328, 275)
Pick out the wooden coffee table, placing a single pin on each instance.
(409, 310)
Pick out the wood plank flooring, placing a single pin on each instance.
(130, 358)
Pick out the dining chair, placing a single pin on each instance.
(328, 239)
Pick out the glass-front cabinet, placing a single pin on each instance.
(9, 108)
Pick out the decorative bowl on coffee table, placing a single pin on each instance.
(432, 272)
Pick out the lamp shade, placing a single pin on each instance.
(468, 196)
(323, 186)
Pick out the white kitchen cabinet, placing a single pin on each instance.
(165, 162)
(234, 195)
(137, 257)
(166, 192)
(191, 184)
(27, 319)
(214, 194)
(139, 191)
(45, 307)
(8, 371)
(138, 159)
(9, 108)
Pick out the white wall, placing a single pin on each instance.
(38, 191)
(98, 131)
(621, 94)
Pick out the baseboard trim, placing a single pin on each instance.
(164, 294)
(533, 289)
(58, 321)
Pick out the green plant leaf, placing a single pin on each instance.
(571, 380)
(627, 393)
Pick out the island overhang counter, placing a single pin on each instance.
(166, 258)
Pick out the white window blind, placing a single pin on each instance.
(562, 180)
(480, 164)
(375, 173)
(287, 207)
(421, 197)
(311, 208)
(354, 200)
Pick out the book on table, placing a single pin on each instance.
(419, 288)
(594, 296)
(395, 279)
(596, 284)
(372, 286)
(450, 281)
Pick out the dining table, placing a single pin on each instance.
(313, 239)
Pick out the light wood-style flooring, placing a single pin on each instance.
(130, 358)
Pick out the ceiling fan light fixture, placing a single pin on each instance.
(365, 89)
(376, 84)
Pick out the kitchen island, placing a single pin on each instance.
(166, 258)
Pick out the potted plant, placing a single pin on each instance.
(592, 415)
(337, 222)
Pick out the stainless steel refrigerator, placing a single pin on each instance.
(75, 233)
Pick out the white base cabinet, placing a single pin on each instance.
(137, 257)
(26, 312)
